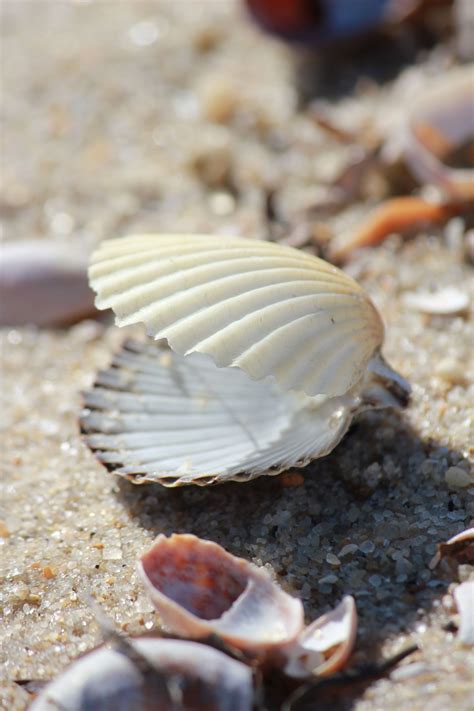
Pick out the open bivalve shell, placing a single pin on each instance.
(199, 589)
(273, 352)
(151, 673)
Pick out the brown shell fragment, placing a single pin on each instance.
(460, 547)
(199, 589)
(392, 216)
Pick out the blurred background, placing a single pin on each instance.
(341, 127)
(199, 116)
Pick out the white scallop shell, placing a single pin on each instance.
(262, 307)
(156, 416)
(111, 680)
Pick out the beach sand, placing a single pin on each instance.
(120, 118)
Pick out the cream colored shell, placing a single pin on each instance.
(262, 307)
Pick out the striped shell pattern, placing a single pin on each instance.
(267, 350)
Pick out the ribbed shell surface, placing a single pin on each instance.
(157, 416)
(262, 307)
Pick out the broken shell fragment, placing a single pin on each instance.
(43, 283)
(273, 352)
(441, 124)
(464, 597)
(446, 301)
(163, 674)
(324, 646)
(460, 547)
(393, 216)
(199, 589)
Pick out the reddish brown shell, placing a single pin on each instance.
(199, 589)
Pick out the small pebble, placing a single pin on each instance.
(348, 550)
(291, 479)
(409, 671)
(367, 547)
(222, 203)
(218, 98)
(375, 581)
(333, 559)
(328, 580)
(457, 478)
(451, 371)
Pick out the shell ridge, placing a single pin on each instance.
(214, 317)
(189, 295)
(267, 340)
(290, 369)
(205, 283)
(310, 305)
(131, 278)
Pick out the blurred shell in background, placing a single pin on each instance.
(323, 21)
(43, 283)
(436, 134)
(147, 673)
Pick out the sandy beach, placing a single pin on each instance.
(127, 117)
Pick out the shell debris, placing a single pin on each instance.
(444, 302)
(201, 592)
(464, 597)
(199, 589)
(440, 120)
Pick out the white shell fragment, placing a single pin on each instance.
(325, 646)
(443, 302)
(464, 597)
(44, 283)
(159, 674)
(262, 307)
(199, 589)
